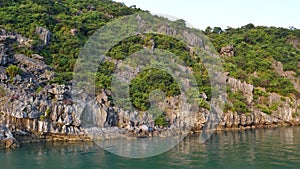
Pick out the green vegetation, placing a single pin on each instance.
(268, 109)
(48, 112)
(264, 108)
(12, 71)
(274, 106)
(283, 99)
(2, 92)
(46, 116)
(296, 114)
(257, 92)
(103, 77)
(42, 118)
(239, 102)
(256, 50)
(59, 17)
(161, 121)
(38, 89)
(147, 81)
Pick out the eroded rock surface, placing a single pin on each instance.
(44, 34)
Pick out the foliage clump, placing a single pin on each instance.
(12, 71)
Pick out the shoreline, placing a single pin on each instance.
(18, 141)
(28, 131)
(71, 138)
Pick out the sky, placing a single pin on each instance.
(224, 13)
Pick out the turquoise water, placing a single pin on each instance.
(260, 148)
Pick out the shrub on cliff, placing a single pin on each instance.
(12, 71)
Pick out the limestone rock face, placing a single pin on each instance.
(291, 75)
(237, 85)
(295, 42)
(44, 34)
(38, 68)
(5, 41)
(283, 112)
(30, 104)
(189, 37)
(3, 56)
(51, 109)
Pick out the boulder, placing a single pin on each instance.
(227, 51)
(7, 140)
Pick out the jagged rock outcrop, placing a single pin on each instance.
(291, 75)
(28, 102)
(44, 34)
(237, 85)
(6, 40)
(295, 42)
(48, 111)
(282, 110)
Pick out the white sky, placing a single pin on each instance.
(223, 13)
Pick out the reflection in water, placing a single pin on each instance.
(261, 148)
(139, 148)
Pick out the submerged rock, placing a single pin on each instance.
(7, 140)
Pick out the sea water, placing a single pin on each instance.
(256, 148)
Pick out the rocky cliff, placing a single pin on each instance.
(34, 108)
(28, 102)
